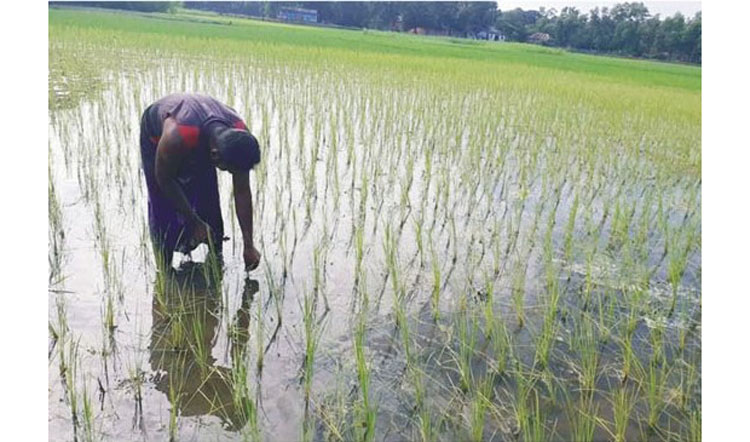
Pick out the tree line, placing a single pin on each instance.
(625, 29)
(130, 6)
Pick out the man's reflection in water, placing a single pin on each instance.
(186, 312)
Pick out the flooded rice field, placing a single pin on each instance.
(485, 261)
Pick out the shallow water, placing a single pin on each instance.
(177, 347)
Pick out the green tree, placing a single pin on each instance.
(692, 39)
(516, 24)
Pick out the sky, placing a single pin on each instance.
(664, 8)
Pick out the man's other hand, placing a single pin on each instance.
(252, 257)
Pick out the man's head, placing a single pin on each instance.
(235, 150)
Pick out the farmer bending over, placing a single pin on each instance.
(183, 138)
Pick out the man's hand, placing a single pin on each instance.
(201, 233)
(252, 257)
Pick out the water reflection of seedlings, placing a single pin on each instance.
(185, 323)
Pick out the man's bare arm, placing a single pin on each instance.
(169, 155)
(243, 203)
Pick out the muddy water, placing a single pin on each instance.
(191, 333)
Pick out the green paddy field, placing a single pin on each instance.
(461, 240)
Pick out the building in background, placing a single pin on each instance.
(298, 15)
(491, 34)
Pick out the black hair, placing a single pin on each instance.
(238, 148)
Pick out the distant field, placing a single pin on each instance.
(461, 240)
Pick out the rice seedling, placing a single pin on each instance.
(175, 399)
(259, 339)
(656, 378)
(313, 332)
(418, 223)
(534, 428)
(69, 374)
(436, 284)
(243, 397)
(656, 338)
(679, 247)
(497, 333)
(586, 344)
(694, 426)
(368, 413)
(481, 397)
(545, 338)
(56, 233)
(581, 416)
(196, 340)
(570, 229)
(519, 292)
(319, 258)
(623, 401)
(467, 338)
(90, 432)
